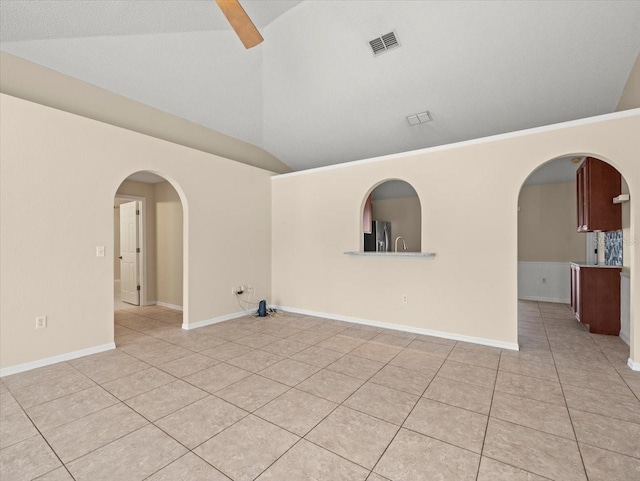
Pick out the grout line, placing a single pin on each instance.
(486, 427)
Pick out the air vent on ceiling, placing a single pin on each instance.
(383, 43)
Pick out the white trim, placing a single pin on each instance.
(415, 330)
(166, 304)
(47, 361)
(625, 337)
(634, 365)
(558, 300)
(509, 135)
(215, 320)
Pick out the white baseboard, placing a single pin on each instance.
(634, 365)
(625, 337)
(545, 299)
(415, 330)
(28, 366)
(167, 305)
(215, 320)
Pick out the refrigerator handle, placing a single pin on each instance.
(386, 239)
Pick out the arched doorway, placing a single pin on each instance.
(148, 257)
(573, 268)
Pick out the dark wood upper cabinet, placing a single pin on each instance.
(597, 184)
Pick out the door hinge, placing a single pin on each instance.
(137, 249)
(137, 212)
(138, 288)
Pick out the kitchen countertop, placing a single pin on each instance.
(600, 266)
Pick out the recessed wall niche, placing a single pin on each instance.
(392, 219)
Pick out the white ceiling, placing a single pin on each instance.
(312, 94)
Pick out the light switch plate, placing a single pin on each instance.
(41, 322)
(99, 251)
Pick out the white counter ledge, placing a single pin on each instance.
(421, 255)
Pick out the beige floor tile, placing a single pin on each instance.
(448, 423)
(132, 457)
(164, 355)
(255, 360)
(113, 365)
(201, 343)
(376, 477)
(412, 456)
(289, 372)
(217, 377)
(129, 337)
(491, 470)
(27, 460)
(69, 408)
(189, 468)
(58, 474)
(188, 365)
(355, 367)
(317, 356)
(341, 344)
(530, 387)
(197, 422)
(393, 339)
(227, 351)
(382, 402)
(376, 352)
(330, 385)
(138, 383)
(308, 462)
(8, 404)
(626, 408)
(417, 361)
(475, 357)
(53, 388)
(296, 411)
(412, 382)
(14, 428)
(257, 340)
(166, 399)
(599, 381)
(607, 433)
(145, 344)
(438, 350)
(79, 437)
(604, 465)
(458, 371)
(37, 376)
(310, 337)
(247, 448)
(460, 394)
(252, 392)
(353, 435)
(540, 453)
(550, 418)
(359, 333)
(524, 367)
(285, 347)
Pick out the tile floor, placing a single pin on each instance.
(296, 398)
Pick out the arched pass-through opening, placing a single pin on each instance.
(575, 235)
(150, 255)
(391, 218)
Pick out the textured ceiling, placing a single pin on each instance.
(312, 94)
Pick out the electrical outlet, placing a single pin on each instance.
(41, 322)
(544, 280)
(237, 289)
(99, 251)
(405, 299)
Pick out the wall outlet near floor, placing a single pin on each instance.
(41, 322)
(405, 299)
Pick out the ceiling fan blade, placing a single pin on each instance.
(241, 23)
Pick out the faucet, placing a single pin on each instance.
(404, 244)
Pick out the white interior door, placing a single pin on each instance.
(129, 253)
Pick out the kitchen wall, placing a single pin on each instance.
(168, 244)
(116, 243)
(470, 288)
(405, 218)
(60, 173)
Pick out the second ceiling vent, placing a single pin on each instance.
(385, 42)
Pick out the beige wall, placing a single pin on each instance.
(470, 288)
(404, 215)
(116, 243)
(168, 244)
(60, 173)
(630, 98)
(547, 224)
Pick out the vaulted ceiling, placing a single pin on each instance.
(313, 94)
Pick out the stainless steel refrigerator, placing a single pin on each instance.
(380, 238)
